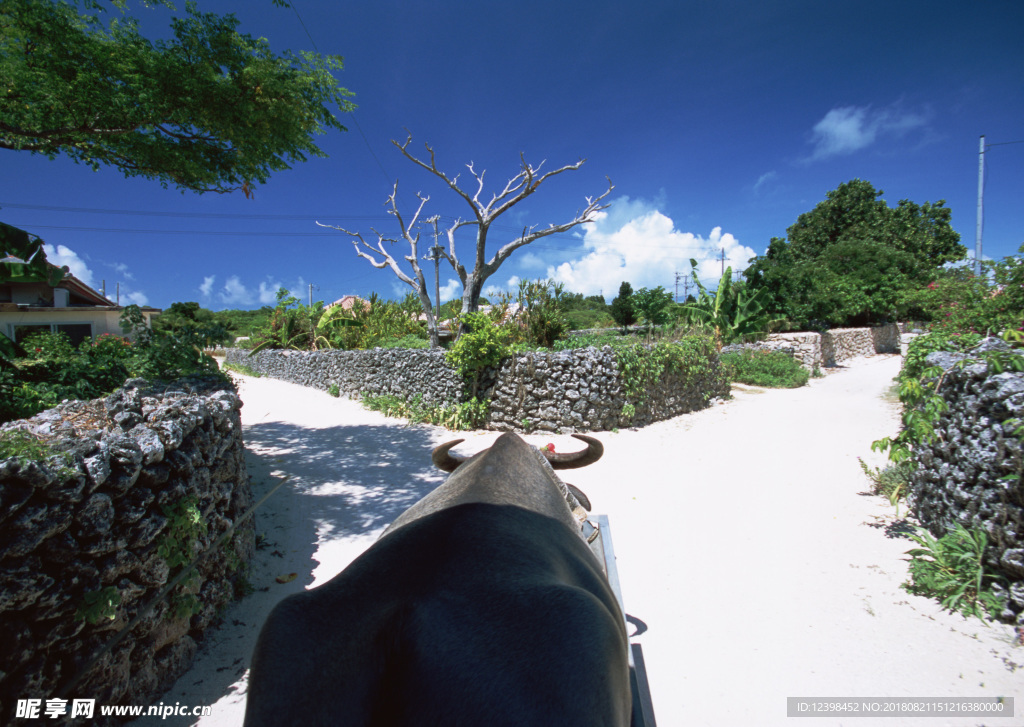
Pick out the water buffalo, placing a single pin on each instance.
(480, 605)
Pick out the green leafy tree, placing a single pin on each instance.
(852, 259)
(623, 307)
(652, 304)
(209, 109)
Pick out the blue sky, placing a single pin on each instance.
(718, 123)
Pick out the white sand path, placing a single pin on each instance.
(753, 563)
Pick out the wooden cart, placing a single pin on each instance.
(643, 709)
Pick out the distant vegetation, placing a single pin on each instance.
(47, 368)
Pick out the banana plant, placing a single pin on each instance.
(287, 337)
(731, 315)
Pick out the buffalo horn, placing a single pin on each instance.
(444, 461)
(572, 460)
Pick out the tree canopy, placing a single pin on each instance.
(211, 109)
(623, 306)
(852, 259)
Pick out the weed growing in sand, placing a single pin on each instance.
(891, 482)
(241, 369)
(950, 569)
(466, 415)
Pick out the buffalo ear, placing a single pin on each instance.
(578, 494)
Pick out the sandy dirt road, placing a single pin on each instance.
(754, 565)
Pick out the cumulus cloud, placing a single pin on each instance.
(451, 290)
(636, 242)
(133, 297)
(234, 292)
(118, 291)
(849, 129)
(267, 293)
(60, 256)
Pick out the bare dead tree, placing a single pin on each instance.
(518, 188)
(410, 234)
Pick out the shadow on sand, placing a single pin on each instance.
(346, 483)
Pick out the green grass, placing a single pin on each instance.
(773, 369)
(241, 369)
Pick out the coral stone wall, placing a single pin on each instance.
(379, 371)
(818, 350)
(92, 519)
(565, 391)
(973, 472)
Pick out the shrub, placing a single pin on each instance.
(484, 344)
(765, 368)
(891, 482)
(466, 415)
(580, 319)
(641, 366)
(914, 362)
(950, 569)
(53, 370)
(959, 301)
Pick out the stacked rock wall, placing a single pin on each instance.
(85, 533)
(379, 371)
(973, 473)
(565, 391)
(819, 350)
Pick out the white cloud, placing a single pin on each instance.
(530, 261)
(635, 242)
(123, 269)
(235, 292)
(848, 129)
(451, 290)
(763, 180)
(133, 297)
(267, 293)
(60, 255)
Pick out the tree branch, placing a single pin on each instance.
(532, 235)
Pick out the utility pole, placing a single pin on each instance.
(722, 274)
(310, 295)
(435, 255)
(981, 204)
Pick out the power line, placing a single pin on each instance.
(186, 232)
(196, 215)
(350, 113)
